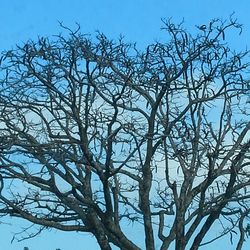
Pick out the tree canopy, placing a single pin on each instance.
(96, 133)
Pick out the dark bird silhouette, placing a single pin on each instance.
(202, 27)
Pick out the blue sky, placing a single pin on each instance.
(138, 20)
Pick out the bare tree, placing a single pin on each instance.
(97, 133)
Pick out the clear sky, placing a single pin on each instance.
(139, 21)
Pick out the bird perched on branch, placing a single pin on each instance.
(202, 27)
